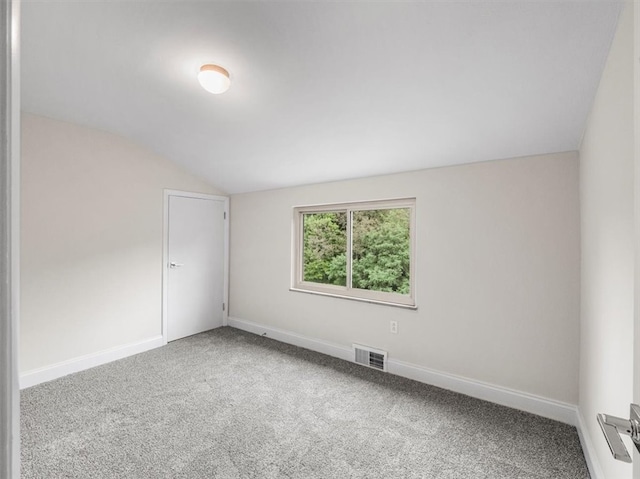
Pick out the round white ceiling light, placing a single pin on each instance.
(214, 79)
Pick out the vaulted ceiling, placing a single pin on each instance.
(321, 90)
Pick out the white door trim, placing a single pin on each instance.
(165, 252)
(9, 238)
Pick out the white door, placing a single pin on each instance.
(636, 349)
(195, 266)
(619, 428)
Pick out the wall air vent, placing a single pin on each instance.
(373, 358)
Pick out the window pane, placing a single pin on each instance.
(381, 256)
(325, 248)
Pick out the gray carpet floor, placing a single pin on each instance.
(228, 404)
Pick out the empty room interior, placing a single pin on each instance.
(329, 239)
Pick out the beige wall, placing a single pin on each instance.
(497, 274)
(606, 196)
(92, 213)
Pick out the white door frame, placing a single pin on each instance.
(165, 253)
(9, 238)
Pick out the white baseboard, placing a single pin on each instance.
(549, 408)
(49, 373)
(595, 470)
(318, 345)
(541, 406)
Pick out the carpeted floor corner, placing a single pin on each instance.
(228, 404)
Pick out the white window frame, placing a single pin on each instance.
(348, 292)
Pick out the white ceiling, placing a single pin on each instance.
(321, 90)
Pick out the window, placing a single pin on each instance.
(361, 251)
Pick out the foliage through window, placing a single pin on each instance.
(358, 250)
(325, 248)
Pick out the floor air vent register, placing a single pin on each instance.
(372, 358)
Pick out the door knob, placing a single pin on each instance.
(612, 427)
(175, 265)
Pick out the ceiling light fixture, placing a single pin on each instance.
(214, 79)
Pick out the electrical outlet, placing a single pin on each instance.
(393, 327)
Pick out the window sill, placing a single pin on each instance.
(355, 298)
